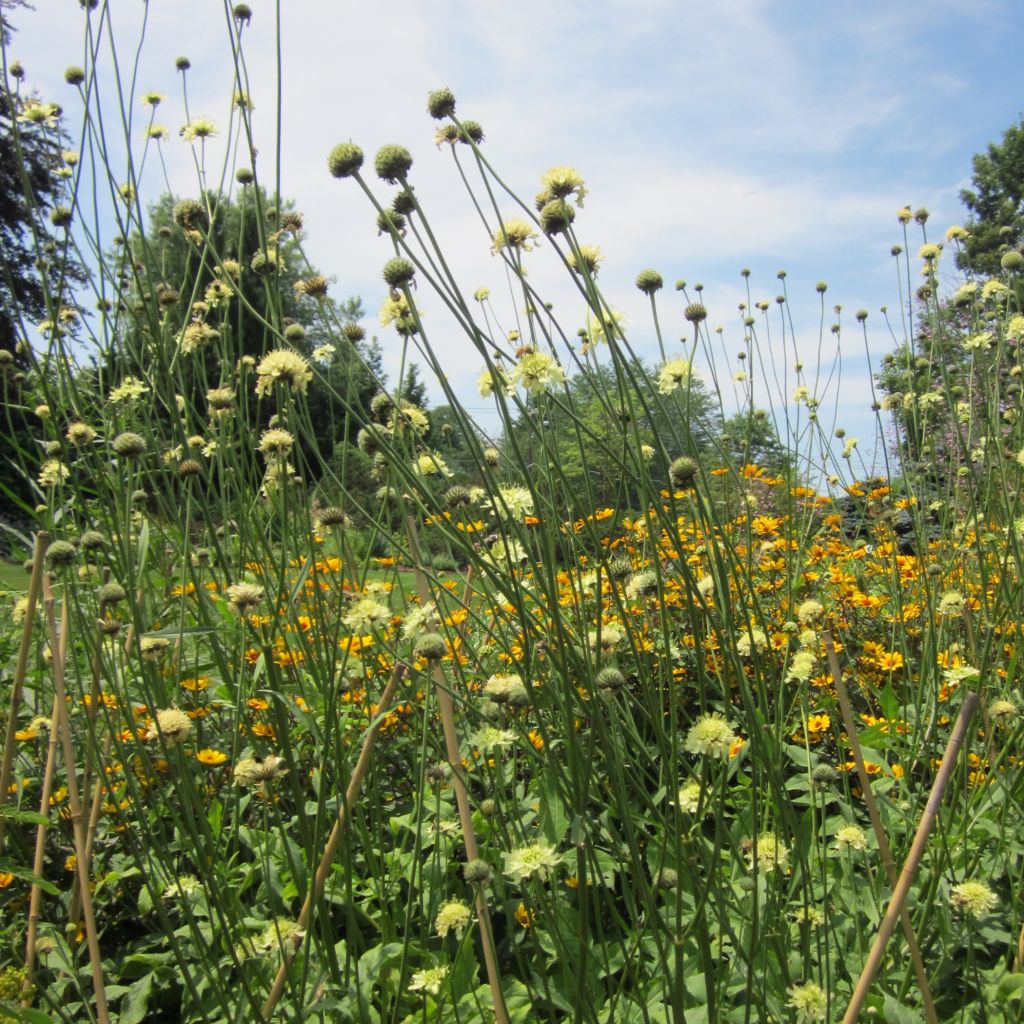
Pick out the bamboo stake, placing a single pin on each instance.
(324, 868)
(451, 741)
(906, 879)
(81, 858)
(888, 863)
(36, 893)
(21, 667)
(94, 700)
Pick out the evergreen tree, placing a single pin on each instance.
(996, 204)
(36, 272)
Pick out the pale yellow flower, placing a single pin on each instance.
(285, 366)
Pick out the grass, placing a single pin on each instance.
(13, 577)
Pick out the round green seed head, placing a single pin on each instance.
(129, 444)
(332, 516)
(398, 272)
(556, 216)
(1012, 260)
(649, 281)
(389, 222)
(344, 160)
(60, 553)
(91, 540)
(403, 203)
(431, 646)
(456, 496)
(471, 132)
(441, 104)
(477, 872)
(112, 593)
(683, 471)
(392, 163)
(610, 678)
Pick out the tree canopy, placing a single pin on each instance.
(233, 283)
(996, 203)
(590, 432)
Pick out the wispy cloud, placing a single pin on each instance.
(712, 137)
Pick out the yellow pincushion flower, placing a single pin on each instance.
(198, 128)
(514, 234)
(536, 859)
(562, 182)
(453, 916)
(809, 1001)
(769, 853)
(673, 375)
(172, 724)
(710, 736)
(850, 837)
(975, 899)
(285, 366)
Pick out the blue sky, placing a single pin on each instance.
(712, 136)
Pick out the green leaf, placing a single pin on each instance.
(24, 816)
(136, 1001)
(28, 876)
(554, 822)
(215, 815)
(139, 964)
(465, 971)
(888, 702)
(374, 963)
(896, 1013)
(23, 1013)
(143, 548)
(173, 631)
(1011, 986)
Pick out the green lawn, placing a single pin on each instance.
(13, 577)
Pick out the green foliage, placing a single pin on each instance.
(606, 415)
(751, 437)
(37, 271)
